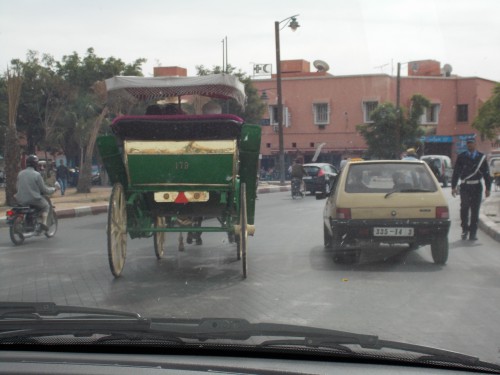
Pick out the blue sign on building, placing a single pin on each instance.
(437, 139)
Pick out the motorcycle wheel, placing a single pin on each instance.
(53, 227)
(16, 231)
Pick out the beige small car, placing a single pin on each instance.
(386, 202)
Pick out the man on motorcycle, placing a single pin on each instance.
(298, 172)
(30, 188)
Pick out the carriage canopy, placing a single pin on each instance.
(222, 86)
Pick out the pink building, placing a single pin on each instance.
(320, 108)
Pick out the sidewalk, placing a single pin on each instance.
(489, 216)
(96, 202)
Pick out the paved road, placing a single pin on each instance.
(292, 279)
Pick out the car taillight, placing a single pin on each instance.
(442, 213)
(10, 213)
(321, 173)
(343, 213)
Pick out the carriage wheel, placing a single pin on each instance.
(117, 230)
(238, 247)
(159, 237)
(244, 229)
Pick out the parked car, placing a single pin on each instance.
(495, 171)
(96, 175)
(386, 202)
(320, 177)
(441, 165)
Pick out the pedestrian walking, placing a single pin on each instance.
(62, 174)
(470, 168)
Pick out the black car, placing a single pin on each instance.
(320, 177)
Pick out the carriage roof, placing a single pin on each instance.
(222, 86)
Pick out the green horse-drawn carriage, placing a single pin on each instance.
(169, 166)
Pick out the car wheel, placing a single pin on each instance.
(439, 250)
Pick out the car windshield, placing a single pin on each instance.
(382, 178)
(172, 139)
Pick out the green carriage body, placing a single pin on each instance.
(182, 166)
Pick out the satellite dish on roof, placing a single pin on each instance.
(321, 65)
(447, 70)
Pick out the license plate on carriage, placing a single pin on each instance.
(393, 232)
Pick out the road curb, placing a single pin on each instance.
(81, 211)
(489, 227)
(95, 210)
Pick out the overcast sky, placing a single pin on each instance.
(352, 36)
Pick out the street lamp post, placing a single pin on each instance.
(293, 25)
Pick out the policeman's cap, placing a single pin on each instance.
(471, 140)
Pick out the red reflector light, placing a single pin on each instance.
(343, 213)
(442, 213)
(181, 198)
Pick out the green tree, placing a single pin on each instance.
(14, 83)
(89, 108)
(488, 118)
(381, 135)
(391, 132)
(3, 113)
(44, 96)
(411, 132)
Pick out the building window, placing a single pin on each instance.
(431, 114)
(462, 113)
(368, 108)
(311, 144)
(273, 116)
(321, 113)
(294, 144)
(268, 145)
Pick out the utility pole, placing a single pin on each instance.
(398, 109)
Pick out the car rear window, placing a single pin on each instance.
(311, 170)
(386, 177)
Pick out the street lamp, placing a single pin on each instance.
(293, 24)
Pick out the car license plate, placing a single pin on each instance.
(393, 232)
(307, 178)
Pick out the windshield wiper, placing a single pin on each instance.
(412, 190)
(186, 331)
(38, 310)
